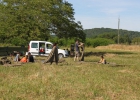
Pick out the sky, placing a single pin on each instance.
(106, 13)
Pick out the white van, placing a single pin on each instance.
(43, 48)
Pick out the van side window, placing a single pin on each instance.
(48, 46)
(34, 45)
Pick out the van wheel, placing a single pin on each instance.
(60, 55)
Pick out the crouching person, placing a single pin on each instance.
(24, 59)
(102, 60)
(30, 57)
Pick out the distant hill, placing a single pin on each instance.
(97, 31)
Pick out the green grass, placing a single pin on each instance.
(73, 80)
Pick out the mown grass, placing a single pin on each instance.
(71, 80)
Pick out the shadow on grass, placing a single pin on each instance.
(5, 51)
(103, 53)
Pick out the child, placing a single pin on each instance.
(102, 60)
(17, 58)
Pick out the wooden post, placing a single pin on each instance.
(118, 30)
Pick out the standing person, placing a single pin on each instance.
(30, 57)
(53, 56)
(82, 46)
(72, 50)
(77, 51)
(68, 52)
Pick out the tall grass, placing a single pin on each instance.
(75, 80)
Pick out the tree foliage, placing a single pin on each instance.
(125, 36)
(36, 20)
(136, 40)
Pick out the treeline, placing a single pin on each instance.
(125, 37)
(102, 37)
(25, 20)
(88, 42)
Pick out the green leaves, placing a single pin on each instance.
(36, 20)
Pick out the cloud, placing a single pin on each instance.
(115, 11)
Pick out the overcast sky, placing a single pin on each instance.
(105, 13)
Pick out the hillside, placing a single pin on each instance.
(97, 31)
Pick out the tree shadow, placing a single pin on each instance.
(103, 53)
(6, 51)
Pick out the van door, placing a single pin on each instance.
(48, 49)
(34, 48)
(41, 48)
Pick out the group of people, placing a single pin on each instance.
(27, 58)
(67, 51)
(79, 49)
(79, 53)
(53, 56)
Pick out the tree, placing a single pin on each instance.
(36, 19)
(136, 40)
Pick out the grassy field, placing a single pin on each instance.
(119, 80)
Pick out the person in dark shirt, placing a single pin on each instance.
(30, 57)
